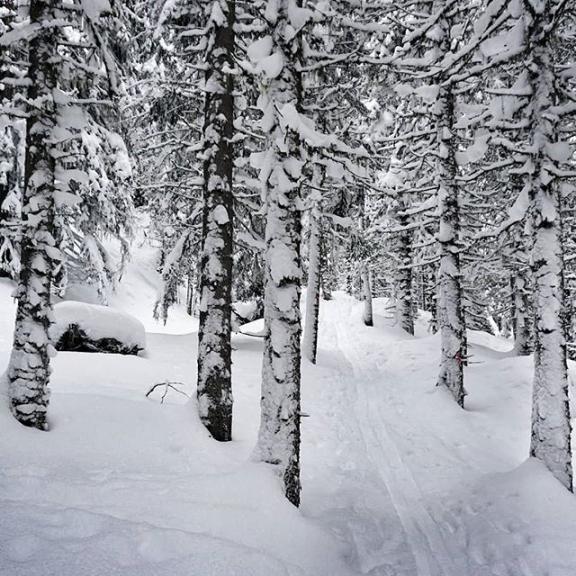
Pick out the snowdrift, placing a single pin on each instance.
(82, 327)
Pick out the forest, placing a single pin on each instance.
(287, 287)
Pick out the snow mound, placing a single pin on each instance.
(245, 312)
(255, 328)
(90, 327)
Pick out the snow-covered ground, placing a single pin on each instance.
(397, 481)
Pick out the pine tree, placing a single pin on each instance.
(451, 315)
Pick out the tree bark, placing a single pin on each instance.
(214, 390)
(551, 426)
(450, 311)
(310, 343)
(29, 368)
(367, 315)
(521, 316)
(279, 436)
(404, 290)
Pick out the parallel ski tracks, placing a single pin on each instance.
(439, 548)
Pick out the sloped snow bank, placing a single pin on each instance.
(127, 486)
(124, 485)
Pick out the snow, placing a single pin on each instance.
(245, 309)
(125, 485)
(95, 8)
(509, 41)
(267, 62)
(139, 290)
(99, 322)
(255, 328)
(475, 152)
(397, 480)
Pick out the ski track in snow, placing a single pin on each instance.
(439, 539)
(359, 508)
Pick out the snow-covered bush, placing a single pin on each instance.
(84, 327)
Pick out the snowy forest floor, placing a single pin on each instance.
(397, 480)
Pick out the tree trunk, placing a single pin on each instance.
(450, 312)
(404, 294)
(310, 343)
(29, 368)
(190, 292)
(367, 316)
(521, 316)
(214, 348)
(570, 319)
(551, 426)
(279, 436)
(328, 265)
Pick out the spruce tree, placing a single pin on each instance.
(275, 55)
(214, 347)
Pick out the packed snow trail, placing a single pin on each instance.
(432, 458)
(430, 552)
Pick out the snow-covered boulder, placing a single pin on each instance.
(82, 327)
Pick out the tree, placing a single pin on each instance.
(451, 315)
(11, 136)
(214, 347)
(546, 151)
(275, 56)
(310, 341)
(68, 151)
(29, 368)
(427, 54)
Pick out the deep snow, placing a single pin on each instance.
(99, 322)
(397, 480)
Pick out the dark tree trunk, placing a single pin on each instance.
(404, 291)
(310, 343)
(367, 315)
(328, 264)
(214, 347)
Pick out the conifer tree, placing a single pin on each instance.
(275, 55)
(11, 136)
(70, 166)
(214, 346)
(546, 152)
(29, 368)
